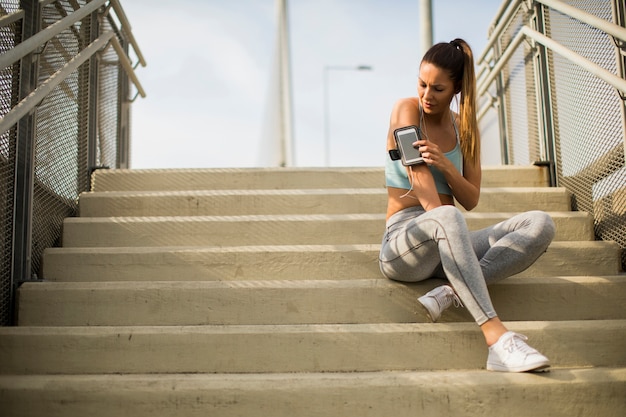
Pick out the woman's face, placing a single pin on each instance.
(435, 88)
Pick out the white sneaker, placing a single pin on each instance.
(511, 354)
(437, 300)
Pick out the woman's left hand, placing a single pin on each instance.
(431, 153)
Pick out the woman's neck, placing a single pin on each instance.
(438, 119)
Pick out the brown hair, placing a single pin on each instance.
(457, 58)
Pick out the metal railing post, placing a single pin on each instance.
(545, 100)
(619, 16)
(93, 108)
(21, 267)
(123, 127)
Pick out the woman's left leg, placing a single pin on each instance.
(513, 245)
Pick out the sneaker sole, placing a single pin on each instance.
(544, 367)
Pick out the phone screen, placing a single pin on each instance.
(405, 139)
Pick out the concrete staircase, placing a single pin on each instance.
(256, 292)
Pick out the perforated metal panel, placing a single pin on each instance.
(76, 128)
(9, 37)
(589, 122)
(108, 118)
(61, 123)
(585, 117)
(518, 80)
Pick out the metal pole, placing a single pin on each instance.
(21, 257)
(326, 120)
(285, 128)
(426, 25)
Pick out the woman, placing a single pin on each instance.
(427, 236)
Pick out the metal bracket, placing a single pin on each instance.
(495, 100)
(529, 5)
(531, 42)
(106, 11)
(621, 45)
(96, 168)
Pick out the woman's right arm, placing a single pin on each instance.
(405, 113)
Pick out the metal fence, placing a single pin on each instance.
(554, 76)
(79, 90)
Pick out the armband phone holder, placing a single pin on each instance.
(394, 154)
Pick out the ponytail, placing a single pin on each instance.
(457, 58)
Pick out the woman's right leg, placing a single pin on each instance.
(411, 249)
(415, 245)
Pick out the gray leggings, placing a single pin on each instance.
(418, 245)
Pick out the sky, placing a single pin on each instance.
(209, 67)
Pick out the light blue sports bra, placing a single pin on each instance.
(396, 174)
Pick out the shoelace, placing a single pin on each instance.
(513, 343)
(447, 297)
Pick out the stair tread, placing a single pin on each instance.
(496, 216)
(453, 328)
(271, 229)
(295, 201)
(298, 177)
(295, 191)
(304, 301)
(568, 391)
(304, 284)
(242, 263)
(192, 381)
(296, 347)
(368, 247)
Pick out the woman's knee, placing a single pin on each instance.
(449, 213)
(543, 224)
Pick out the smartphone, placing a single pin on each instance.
(405, 136)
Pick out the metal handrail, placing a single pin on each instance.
(617, 82)
(526, 32)
(500, 63)
(32, 43)
(504, 14)
(6, 20)
(502, 18)
(126, 64)
(119, 11)
(31, 101)
(27, 104)
(610, 28)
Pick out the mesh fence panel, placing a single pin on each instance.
(76, 128)
(588, 114)
(589, 124)
(61, 121)
(108, 98)
(519, 86)
(9, 37)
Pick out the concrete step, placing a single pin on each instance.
(286, 178)
(314, 201)
(326, 229)
(562, 392)
(295, 348)
(253, 263)
(356, 301)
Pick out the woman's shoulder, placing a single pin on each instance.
(406, 109)
(407, 103)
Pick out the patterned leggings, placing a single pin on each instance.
(418, 245)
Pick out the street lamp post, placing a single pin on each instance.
(327, 69)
